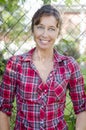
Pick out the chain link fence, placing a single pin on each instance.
(16, 38)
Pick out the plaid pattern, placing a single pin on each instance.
(41, 106)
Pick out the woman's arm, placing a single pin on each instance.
(81, 121)
(4, 121)
(7, 94)
(77, 93)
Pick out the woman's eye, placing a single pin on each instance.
(40, 27)
(51, 29)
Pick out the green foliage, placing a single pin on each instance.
(84, 74)
(68, 47)
(82, 58)
(46, 1)
(70, 2)
(9, 5)
(67, 2)
(13, 117)
(2, 67)
(2, 64)
(2, 2)
(69, 113)
(13, 26)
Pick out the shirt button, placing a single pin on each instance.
(50, 74)
(42, 106)
(42, 122)
(45, 90)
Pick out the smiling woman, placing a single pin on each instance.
(40, 78)
(46, 33)
(46, 27)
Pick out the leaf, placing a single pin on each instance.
(2, 2)
(68, 2)
(55, 0)
(46, 1)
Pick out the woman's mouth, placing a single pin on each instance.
(44, 41)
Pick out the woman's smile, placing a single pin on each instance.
(42, 41)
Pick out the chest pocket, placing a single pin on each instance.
(57, 92)
(60, 82)
(60, 90)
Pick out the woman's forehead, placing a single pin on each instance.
(48, 20)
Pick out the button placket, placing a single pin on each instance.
(42, 116)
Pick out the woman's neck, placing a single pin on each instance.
(43, 55)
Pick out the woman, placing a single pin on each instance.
(40, 78)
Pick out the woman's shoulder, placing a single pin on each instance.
(21, 57)
(63, 57)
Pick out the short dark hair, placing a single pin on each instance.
(46, 10)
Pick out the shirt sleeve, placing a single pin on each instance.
(8, 87)
(77, 88)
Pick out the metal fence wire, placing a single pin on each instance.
(16, 38)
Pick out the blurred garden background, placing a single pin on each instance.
(16, 38)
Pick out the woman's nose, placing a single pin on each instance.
(45, 32)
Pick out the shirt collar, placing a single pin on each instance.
(28, 56)
(57, 56)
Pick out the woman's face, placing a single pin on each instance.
(46, 32)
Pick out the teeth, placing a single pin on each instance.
(44, 41)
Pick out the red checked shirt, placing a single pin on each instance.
(41, 106)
